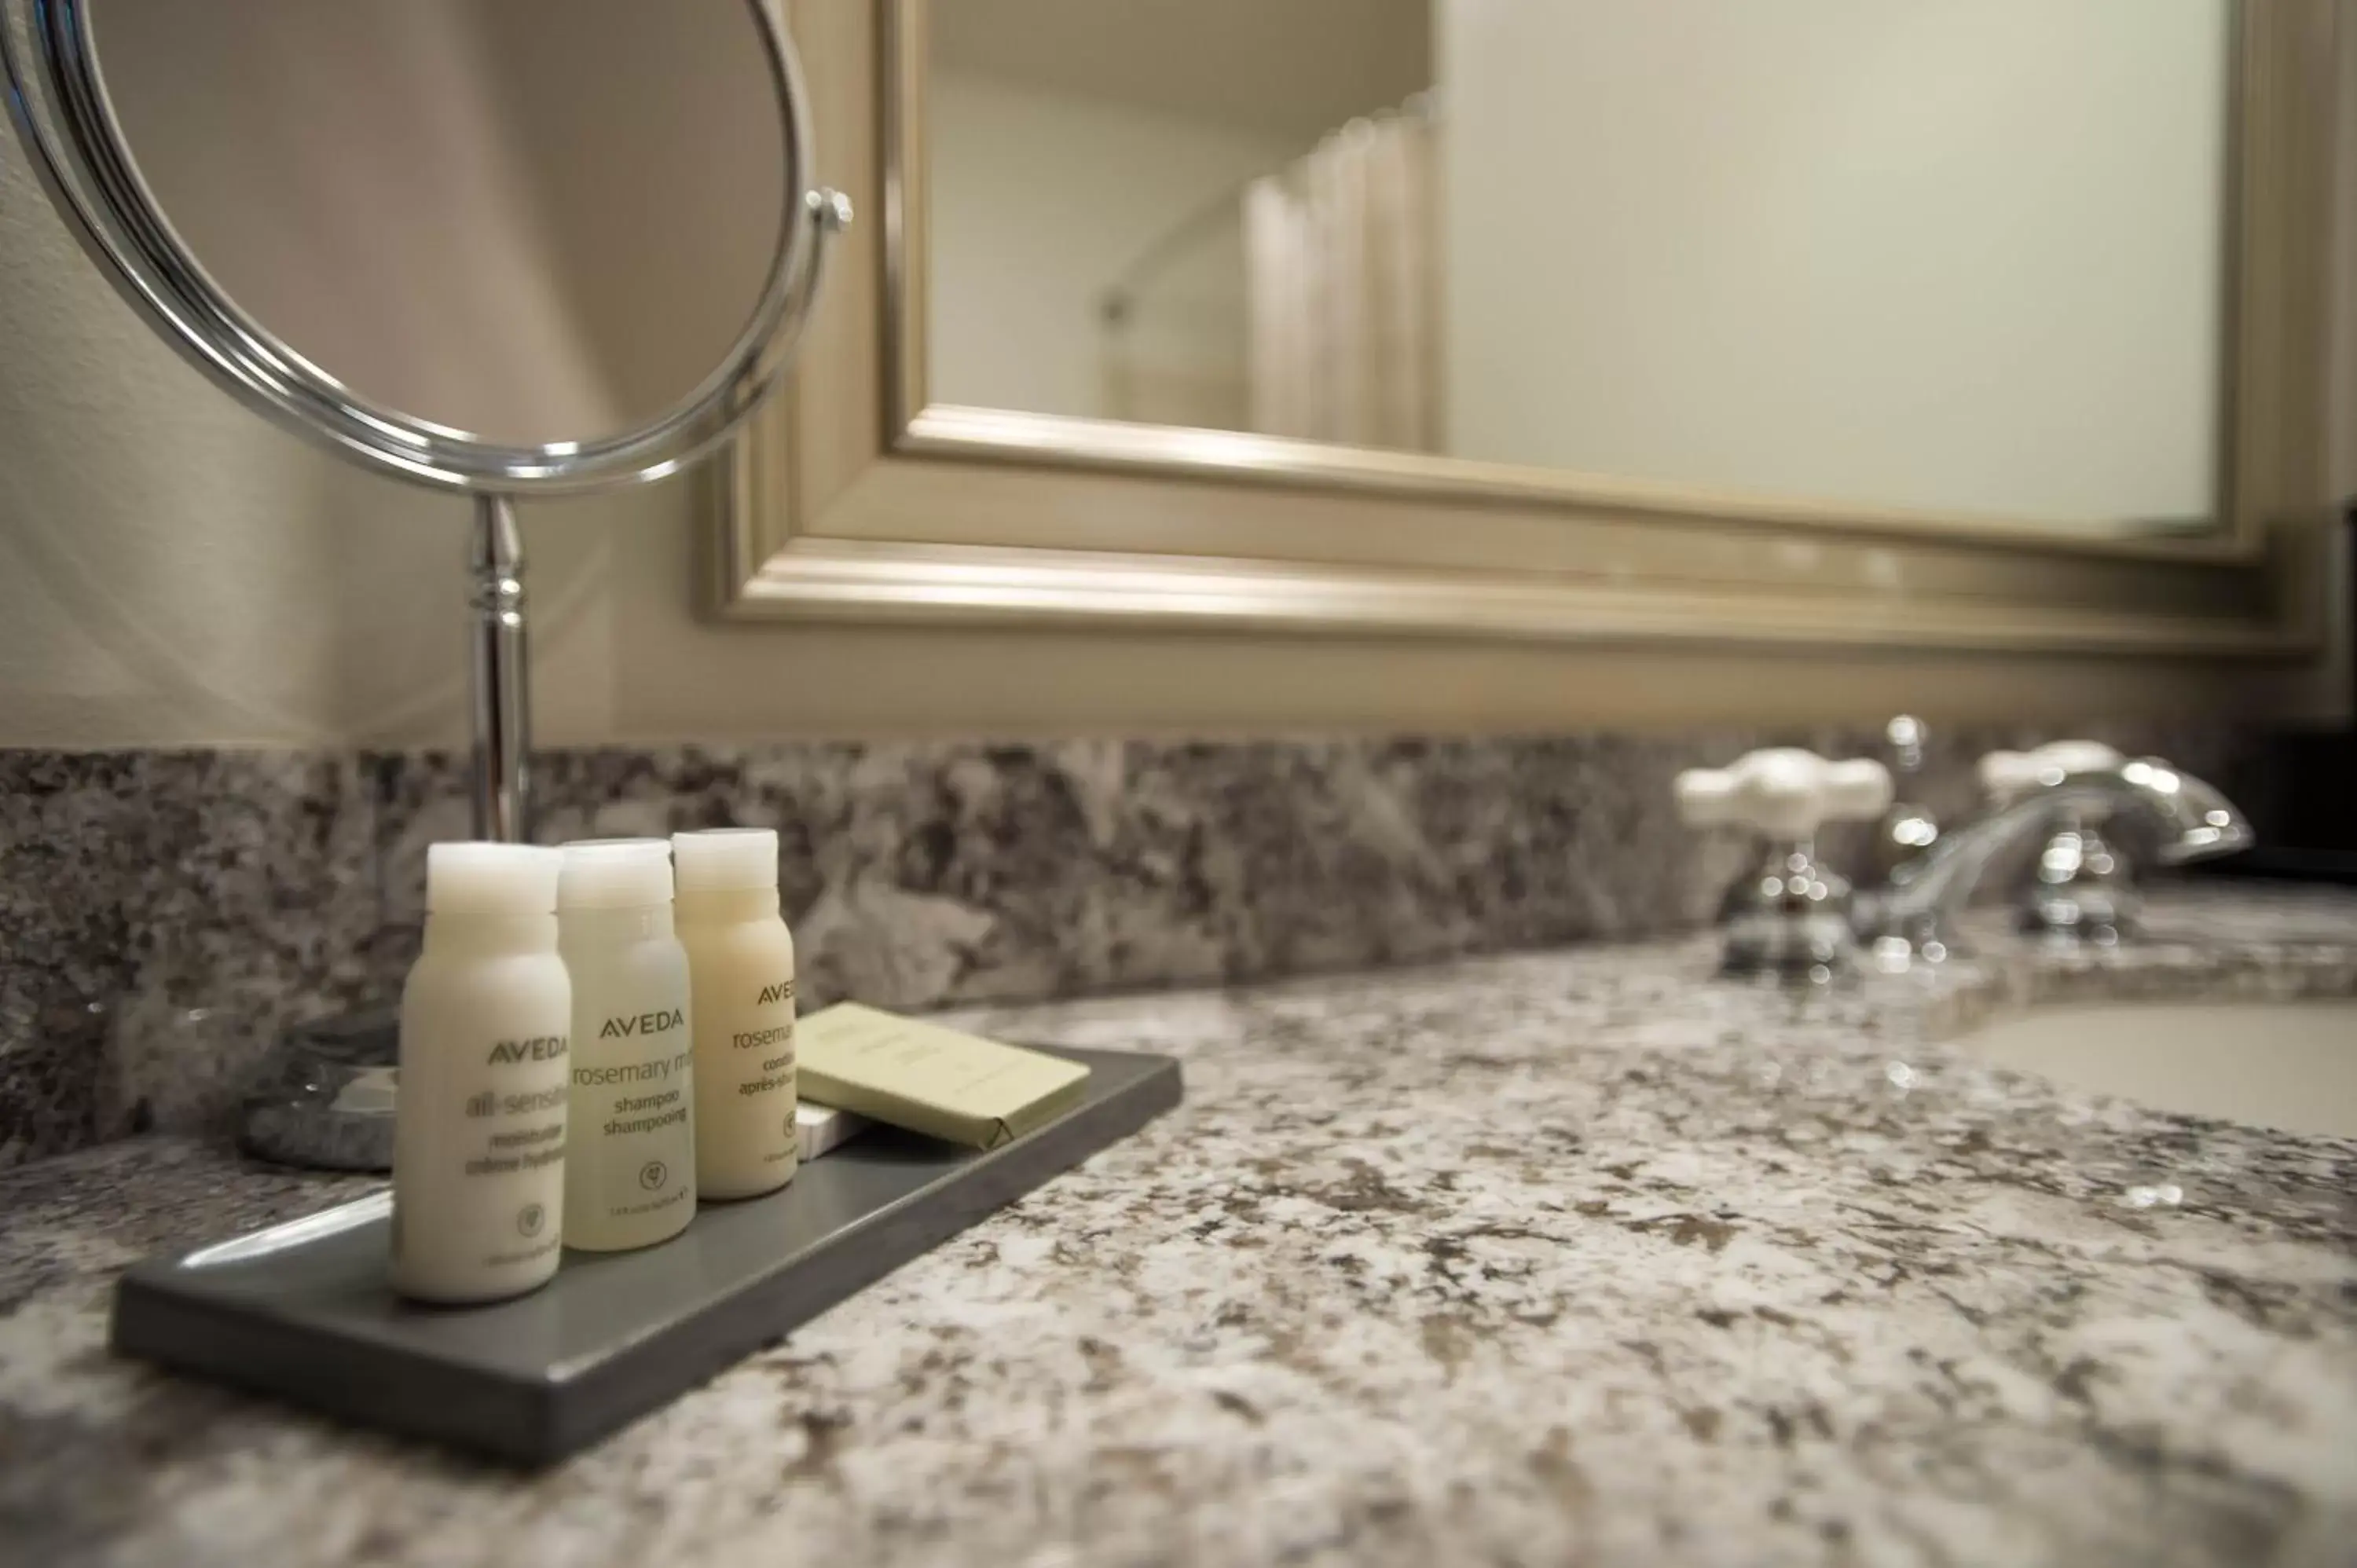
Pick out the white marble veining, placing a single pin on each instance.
(1571, 1257)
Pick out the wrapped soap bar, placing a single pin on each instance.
(908, 1073)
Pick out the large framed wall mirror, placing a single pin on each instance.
(1945, 323)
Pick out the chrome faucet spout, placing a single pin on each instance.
(2192, 819)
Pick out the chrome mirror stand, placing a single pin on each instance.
(324, 1095)
(500, 684)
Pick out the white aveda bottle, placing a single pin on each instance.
(630, 1154)
(740, 961)
(478, 1115)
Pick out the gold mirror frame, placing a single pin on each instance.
(853, 498)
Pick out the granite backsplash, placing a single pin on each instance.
(163, 913)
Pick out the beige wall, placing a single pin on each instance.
(174, 571)
(1955, 254)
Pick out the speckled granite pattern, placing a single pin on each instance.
(940, 873)
(1561, 1257)
(135, 887)
(262, 887)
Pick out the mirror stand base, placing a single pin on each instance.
(322, 1099)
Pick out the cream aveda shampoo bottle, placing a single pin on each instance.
(630, 1152)
(740, 963)
(480, 1109)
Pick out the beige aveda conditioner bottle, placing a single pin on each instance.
(741, 962)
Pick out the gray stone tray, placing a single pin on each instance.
(301, 1310)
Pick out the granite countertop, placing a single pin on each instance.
(1575, 1256)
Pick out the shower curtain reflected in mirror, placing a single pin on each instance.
(1342, 286)
(1304, 303)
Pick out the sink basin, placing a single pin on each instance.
(2280, 1064)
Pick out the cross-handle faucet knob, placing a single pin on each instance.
(2081, 885)
(1788, 917)
(2008, 776)
(1783, 793)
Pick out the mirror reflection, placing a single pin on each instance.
(1964, 257)
(493, 215)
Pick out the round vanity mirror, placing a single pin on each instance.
(496, 246)
(501, 245)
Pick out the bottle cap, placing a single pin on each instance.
(468, 878)
(614, 874)
(720, 860)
